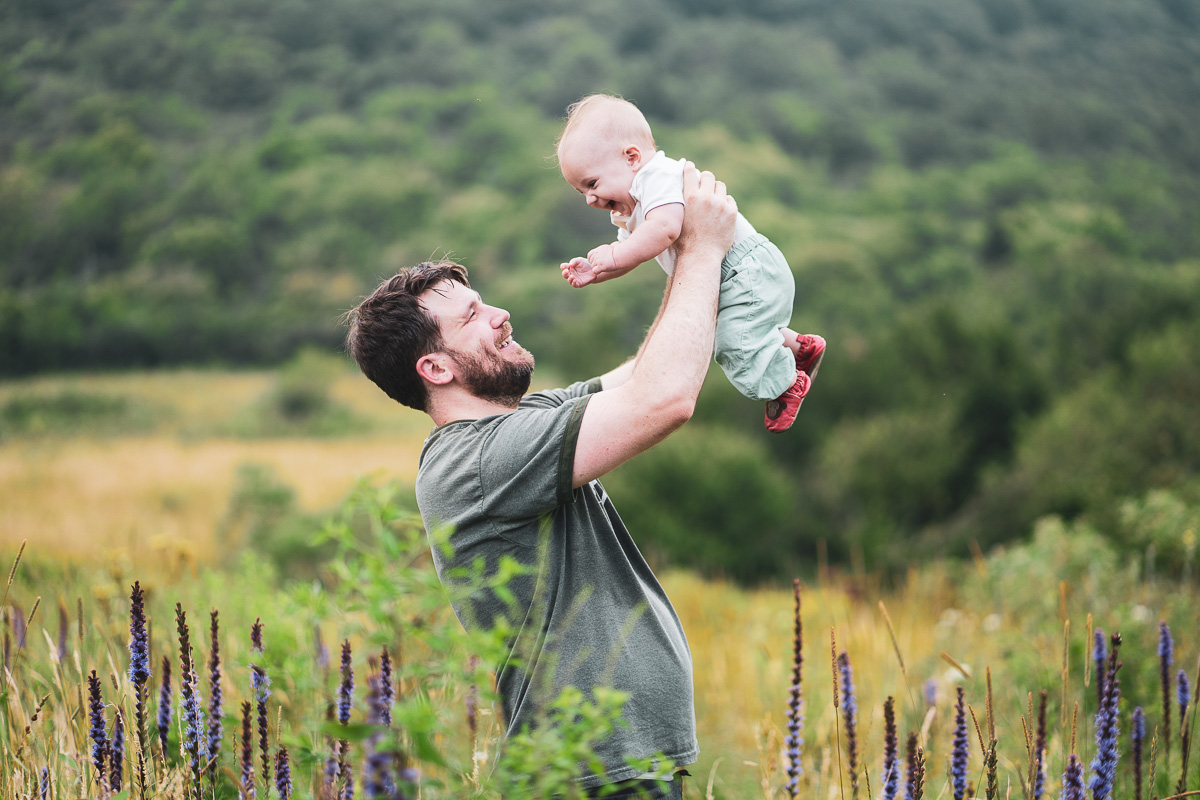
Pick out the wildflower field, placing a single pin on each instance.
(213, 661)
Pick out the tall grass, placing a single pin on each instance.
(289, 722)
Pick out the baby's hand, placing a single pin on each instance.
(578, 272)
(603, 261)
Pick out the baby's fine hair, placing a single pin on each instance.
(610, 116)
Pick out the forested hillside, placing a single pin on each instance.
(992, 208)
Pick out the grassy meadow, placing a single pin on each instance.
(203, 486)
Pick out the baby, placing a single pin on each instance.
(607, 152)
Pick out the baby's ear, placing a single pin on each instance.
(633, 156)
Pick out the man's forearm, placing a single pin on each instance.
(678, 349)
(618, 376)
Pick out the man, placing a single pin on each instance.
(501, 468)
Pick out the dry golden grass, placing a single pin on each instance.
(166, 491)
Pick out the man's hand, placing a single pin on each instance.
(579, 272)
(710, 217)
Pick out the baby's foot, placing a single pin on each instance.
(781, 412)
(809, 349)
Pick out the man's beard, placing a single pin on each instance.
(490, 377)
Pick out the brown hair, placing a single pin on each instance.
(390, 330)
(613, 117)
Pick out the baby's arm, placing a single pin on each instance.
(658, 232)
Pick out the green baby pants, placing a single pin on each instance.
(757, 289)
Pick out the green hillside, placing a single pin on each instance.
(992, 209)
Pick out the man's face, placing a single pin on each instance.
(600, 170)
(478, 337)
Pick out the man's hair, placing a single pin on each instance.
(390, 330)
(609, 116)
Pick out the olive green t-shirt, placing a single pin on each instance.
(590, 613)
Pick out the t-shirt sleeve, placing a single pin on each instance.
(660, 183)
(552, 398)
(527, 462)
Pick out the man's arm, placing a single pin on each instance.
(659, 393)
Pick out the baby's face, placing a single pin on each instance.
(601, 171)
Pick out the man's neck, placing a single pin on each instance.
(464, 407)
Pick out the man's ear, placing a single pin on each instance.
(435, 369)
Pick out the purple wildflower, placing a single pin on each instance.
(246, 787)
(377, 765)
(1183, 695)
(1104, 764)
(164, 705)
(260, 684)
(139, 643)
(795, 708)
(891, 769)
(1099, 656)
(850, 716)
(387, 687)
(216, 728)
(189, 698)
(914, 778)
(97, 730)
(44, 784)
(929, 691)
(1137, 743)
(1072, 784)
(1039, 754)
(116, 775)
(1166, 655)
(959, 755)
(283, 774)
(139, 668)
(346, 688)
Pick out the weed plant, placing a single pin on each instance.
(360, 682)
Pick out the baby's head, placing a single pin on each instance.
(605, 142)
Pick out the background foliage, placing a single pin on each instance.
(990, 207)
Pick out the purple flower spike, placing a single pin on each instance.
(960, 754)
(116, 775)
(891, 769)
(246, 788)
(387, 687)
(216, 730)
(139, 643)
(850, 716)
(1100, 656)
(1183, 694)
(1072, 786)
(1039, 780)
(346, 689)
(97, 730)
(283, 774)
(795, 707)
(164, 704)
(1104, 764)
(1166, 656)
(189, 698)
(1138, 739)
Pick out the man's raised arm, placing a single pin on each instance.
(654, 395)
